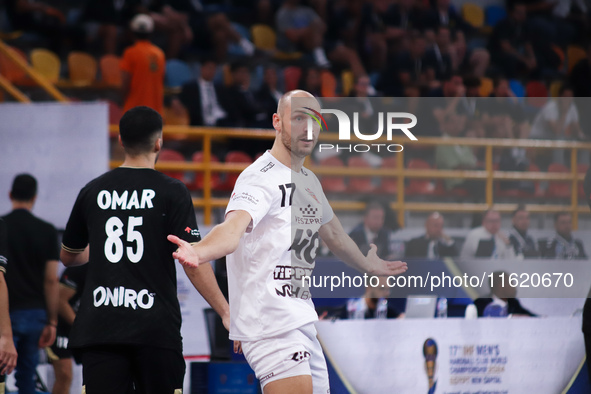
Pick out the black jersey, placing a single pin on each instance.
(130, 292)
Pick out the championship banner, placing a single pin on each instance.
(455, 356)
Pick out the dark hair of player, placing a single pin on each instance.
(24, 188)
(139, 128)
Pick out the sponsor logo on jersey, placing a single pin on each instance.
(195, 232)
(122, 297)
(311, 193)
(300, 220)
(245, 196)
(283, 272)
(267, 167)
(309, 211)
(300, 356)
(287, 290)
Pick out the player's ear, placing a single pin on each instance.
(158, 145)
(277, 122)
(120, 141)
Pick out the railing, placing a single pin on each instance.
(35, 76)
(207, 202)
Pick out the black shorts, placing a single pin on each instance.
(125, 369)
(59, 350)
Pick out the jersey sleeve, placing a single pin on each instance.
(252, 196)
(3, 246)
(182, 220)
(75, 237)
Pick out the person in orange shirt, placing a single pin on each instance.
(142, 68)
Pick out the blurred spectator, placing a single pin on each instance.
(439, 56)
(108, 18)
(434, 244)
(268, 96)
(49, 22)
(373, 231)
(374, 304)
(457, 157)
(310, 81)
(299, 28)
(524, 245)
(33, 252)
(580, 76)
(385, 24)
(557, 120)
(214, 31)
(408, 67)
(562, 245)
(245, 110)
(142, 67)
(445, 14)
(488, 241)
(173, 23)
(502, 301)
(204, 99)
(509, 44)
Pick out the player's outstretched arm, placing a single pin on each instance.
(337, 240)
(222, 240)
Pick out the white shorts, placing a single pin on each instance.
(293, 353)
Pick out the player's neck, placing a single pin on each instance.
(142, 161)
(28, 205)
(286, 158)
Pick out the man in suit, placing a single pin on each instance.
(373, 231)
(523, 243)
(487, 241)
(562, 245)
(502, 301)
(204, 100)
(434, 244)
(268, 96)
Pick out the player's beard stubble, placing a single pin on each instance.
(291, 144)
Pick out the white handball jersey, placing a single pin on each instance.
(278, 248)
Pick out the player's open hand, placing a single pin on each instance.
(383, 267)
(185, 254)
(7, 356)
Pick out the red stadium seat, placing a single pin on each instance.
(332, 183)
(233, 157)
(172, 155)
(328, 84)
(537, 94)
(115, 113)
(419, 186)
(11, 71)
(361, 184)
(292, 75)
(197, 184)
(558, 189)
(389, 185)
